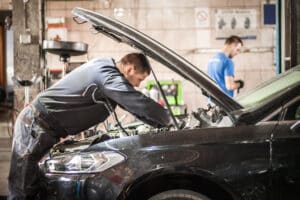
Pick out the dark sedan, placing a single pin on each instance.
(243, 148)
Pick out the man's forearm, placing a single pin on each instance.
(231, 84)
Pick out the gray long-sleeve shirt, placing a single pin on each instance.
(75, 100)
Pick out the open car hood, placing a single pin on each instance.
(126, 34)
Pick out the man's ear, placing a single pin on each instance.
(129, 68)
(126, 69)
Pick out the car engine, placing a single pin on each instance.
(201, 118)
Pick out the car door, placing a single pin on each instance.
(285, 152)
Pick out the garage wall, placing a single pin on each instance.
(173, 24)
(5, 5)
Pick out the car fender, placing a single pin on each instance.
(168, 178)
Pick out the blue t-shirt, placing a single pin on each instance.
(218, 67)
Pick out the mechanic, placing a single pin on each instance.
(221, 68)
(83, 98)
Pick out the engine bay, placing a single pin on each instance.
(201, 118)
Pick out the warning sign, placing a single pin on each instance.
(202, 17)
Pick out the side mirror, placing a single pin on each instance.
(295, 128)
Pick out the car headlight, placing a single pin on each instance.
(83, 162)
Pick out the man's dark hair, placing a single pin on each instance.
(234, 39)
(139, 60)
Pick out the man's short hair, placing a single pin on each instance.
(139, 60)
(234, 39)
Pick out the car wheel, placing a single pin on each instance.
(179, 195)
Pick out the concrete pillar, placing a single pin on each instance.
(27, 49)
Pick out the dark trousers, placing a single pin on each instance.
(30, 143)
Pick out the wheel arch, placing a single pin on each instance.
(162, 180)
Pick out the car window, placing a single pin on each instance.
(290, 112)
(269, 90)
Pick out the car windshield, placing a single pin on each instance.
(264, 93)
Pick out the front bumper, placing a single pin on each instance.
(78, 187)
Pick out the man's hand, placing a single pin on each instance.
(232, 84)
(241, 82)
(241, 85)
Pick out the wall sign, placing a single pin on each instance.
(202, 17)
(269, 14)
(56, 28)
(241, 22)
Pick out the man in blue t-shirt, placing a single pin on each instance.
(221, 67)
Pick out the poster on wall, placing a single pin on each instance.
(202, 17)
(56, 28)
(241, 22)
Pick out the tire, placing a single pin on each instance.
(179, 195)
